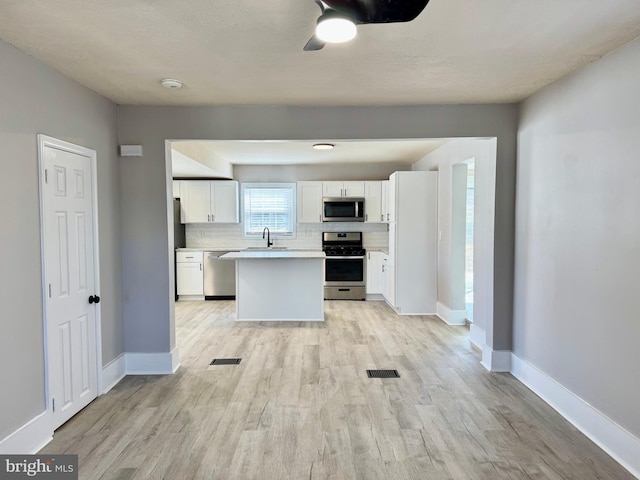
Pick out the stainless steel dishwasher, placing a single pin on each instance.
(219, 276)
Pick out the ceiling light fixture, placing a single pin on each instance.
(171, 83)
(335, 27)
(323, 146)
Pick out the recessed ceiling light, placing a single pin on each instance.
(323, 146)
(171, 83)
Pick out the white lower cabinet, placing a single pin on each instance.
(189, 274)
(374, 273)
(388, 280)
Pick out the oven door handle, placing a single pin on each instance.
(357, 257)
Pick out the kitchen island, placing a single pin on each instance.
(279, 285)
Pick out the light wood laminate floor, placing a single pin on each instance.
(300, 406)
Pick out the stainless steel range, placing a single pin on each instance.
(345, 266)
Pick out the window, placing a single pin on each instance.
(270, 205)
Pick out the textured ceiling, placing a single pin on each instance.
(250, 52)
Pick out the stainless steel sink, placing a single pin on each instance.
(265, 249)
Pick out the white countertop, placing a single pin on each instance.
(273, 254)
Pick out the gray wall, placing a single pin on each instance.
(146, 246)
(36, 99)
(578, 234)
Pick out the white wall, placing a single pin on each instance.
(578, 235)
(443, 159)
(295, 173)
(37, 99)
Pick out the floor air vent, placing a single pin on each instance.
(225, 361)
(383, 374)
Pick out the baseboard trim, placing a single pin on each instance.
(621, 445)
(29, 438)
(376, 297)
(496, 360)
(112, 373)
(164, 363)
(477, 336)
(451, 317)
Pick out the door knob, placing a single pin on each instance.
(94, 299)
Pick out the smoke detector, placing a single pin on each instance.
(171, 83)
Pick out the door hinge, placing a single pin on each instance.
(53, 404)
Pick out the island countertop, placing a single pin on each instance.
(272, 254)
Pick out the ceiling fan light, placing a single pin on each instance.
(335, 28)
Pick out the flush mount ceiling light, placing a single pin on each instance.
(171, 83)
(323, 146)
(335, 27)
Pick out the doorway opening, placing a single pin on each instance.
(469, 229)
(462, 239)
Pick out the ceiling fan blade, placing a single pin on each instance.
(379, 11)
(314, 43)
(320, 4)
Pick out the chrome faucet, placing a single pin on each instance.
(269, 242)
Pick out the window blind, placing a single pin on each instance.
(269, 205)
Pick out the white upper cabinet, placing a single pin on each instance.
(391, 200)
(309, 202)
(195, 201)
(204, 201)
(353, 189)
(224, 206)
(384, 204)
(343, 189)
(373, 202)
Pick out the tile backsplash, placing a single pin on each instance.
(308, 236)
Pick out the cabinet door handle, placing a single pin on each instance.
(382, 217)
(208, 218)
(213, 218)
(200, 267)
(366, 217)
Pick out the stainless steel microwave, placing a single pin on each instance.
(342, 209)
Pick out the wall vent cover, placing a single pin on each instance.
(225, 361)
(383, 374)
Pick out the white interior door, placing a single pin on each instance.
(69, 277)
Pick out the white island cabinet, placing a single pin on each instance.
(280, 285)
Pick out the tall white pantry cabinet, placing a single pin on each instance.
(413, 243)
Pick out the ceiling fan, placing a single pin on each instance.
(339, 18)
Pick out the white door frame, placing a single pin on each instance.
(43, 142)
